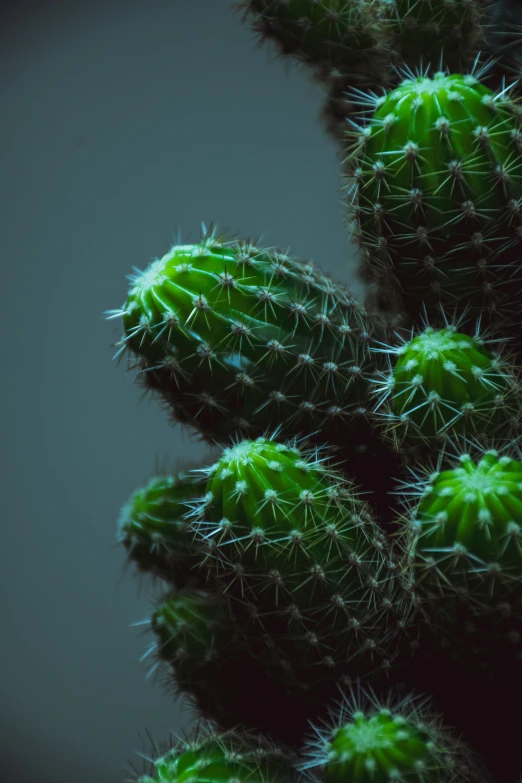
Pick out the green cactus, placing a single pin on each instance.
(283, 586)
(464, 541)
(372, 741)
(236, 337)
(436, 194)
(296, 551)
(442, 383)
(154, 532)
(220, 757)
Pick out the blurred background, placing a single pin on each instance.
(124, 125)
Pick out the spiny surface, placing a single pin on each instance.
(343, 33)
(369, 741)
(464, 542)
(220, 757)
(201, 654)
(304, 565)
(238, 340)
(239, 337)
(443, 383)
(437, 194)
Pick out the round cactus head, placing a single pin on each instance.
(437, 189)
(445, 383)
(276, 509)
(369, 741)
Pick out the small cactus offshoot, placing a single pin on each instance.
(442, 382)
(373, 741)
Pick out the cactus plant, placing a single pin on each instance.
(443, 382)
(219, 756)
(437, 184)
(153, 529)
(237, 339)
(283, 588)
(369, 740)
(464, 540)
(287, 536)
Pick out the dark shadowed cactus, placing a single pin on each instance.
(304, 565)
(435, 32)
(338, 33)
(202, 654)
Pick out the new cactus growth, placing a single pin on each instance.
(443, 382)
(368, 741)
(436, 193)
(464, 541)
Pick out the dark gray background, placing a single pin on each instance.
(121, 122)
